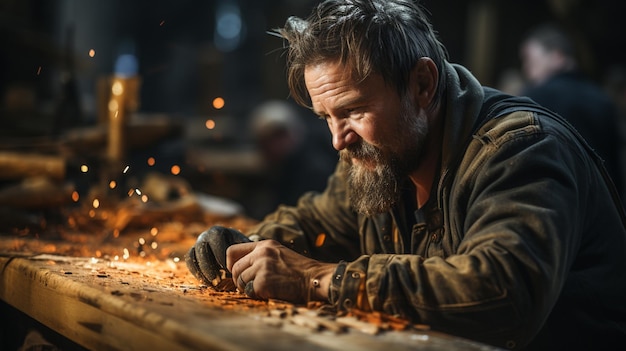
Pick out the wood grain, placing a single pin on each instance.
(131, 305)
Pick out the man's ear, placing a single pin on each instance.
(424, 80)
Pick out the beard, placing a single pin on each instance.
(375, 181)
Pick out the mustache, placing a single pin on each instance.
(360, 150)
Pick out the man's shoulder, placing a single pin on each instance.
(518, 116)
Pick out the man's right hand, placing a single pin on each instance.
(206, 260)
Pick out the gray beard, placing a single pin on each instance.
(377, 190)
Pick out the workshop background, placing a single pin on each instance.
(203, 67)
(129, 127)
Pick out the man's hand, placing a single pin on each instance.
(206, 260)
(269, 270)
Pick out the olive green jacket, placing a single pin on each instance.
(521, 244)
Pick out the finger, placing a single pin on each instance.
(249, 290)
(241, 284)
(235, 252)
(244, 275)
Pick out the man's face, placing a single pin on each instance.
(379, 133)
(538, 64)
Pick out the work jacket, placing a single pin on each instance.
(521, 245)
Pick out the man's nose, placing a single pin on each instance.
(343, 135)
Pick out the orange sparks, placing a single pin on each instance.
(112, 184)
(218, 103)
(319, 241)
(92, 53)
(39, 70)
(175, 170)
(75, 196)
(154, 231)
(144, 198)
(151, 161)
(210, 124)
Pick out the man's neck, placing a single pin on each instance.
(424, 175)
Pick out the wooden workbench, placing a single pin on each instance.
(124, 305)
(115, 279)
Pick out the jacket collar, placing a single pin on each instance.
(462, 104)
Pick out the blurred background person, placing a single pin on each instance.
(555, 80)
(295, 157)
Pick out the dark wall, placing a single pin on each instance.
(183, 70)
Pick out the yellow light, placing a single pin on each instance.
(154, 231)
(96, 203)
(92, 53)
(113, 106)
(210, 124)
(218, 103)
(84, 168)
(117, 88)
(175, 170)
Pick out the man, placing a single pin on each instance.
(555, 80)
(479, 214)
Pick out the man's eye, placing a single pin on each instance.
(354, 111)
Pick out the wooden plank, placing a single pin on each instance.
(85, 315)
(109, 305)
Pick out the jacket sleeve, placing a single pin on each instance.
(321, 225)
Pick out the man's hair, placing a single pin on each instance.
(385, 37)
